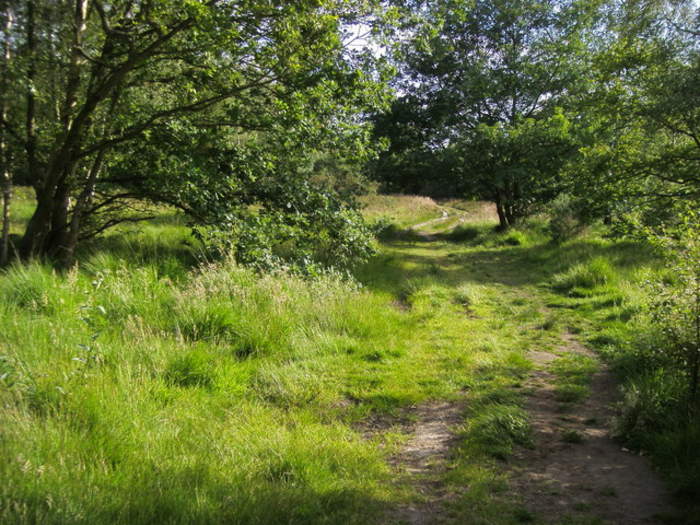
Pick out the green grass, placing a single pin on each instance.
(148, 386)
(497, 428)
(143, 388)
(401, 211)
(573, 374)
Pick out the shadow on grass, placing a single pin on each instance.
(533, 265)
(165, 243)
(169, 497)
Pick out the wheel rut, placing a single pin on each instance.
(423, 459)
(417, 227)
(560, 479)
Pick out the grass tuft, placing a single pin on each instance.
(195, 368)
(498, 429)
(587, 276)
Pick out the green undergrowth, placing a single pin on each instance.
(150, 386)
(604, 288)
(596, 289)
(131, 398)
(147, 386)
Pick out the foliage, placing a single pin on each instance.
(517, 165)
(641, 158)
(411, 163)
(568, 217)
(675, 305)
(192, 104)
(482, 83)
(221, 380)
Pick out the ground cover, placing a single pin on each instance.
(142, 388)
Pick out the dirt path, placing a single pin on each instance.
(417, 227)
(423, 459)
(558, 480)
(574, 473)
(575, 468)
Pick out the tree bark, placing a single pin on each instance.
(82, 203)
(511, 216)
(38, 225)
(4, 150)
(30, 124)
(502, 217)
(46, 229)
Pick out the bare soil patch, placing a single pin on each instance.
(423, 459)
(575, 467)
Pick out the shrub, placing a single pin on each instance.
(566, 218)
(675, 306)
(648, 405)
(384, 228)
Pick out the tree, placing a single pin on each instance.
(491, 72)
(412, 163)
(107, 96)
(7, 24)
(517, 166)
(642, 164)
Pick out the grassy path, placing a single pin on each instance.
(451, 387)
(527, 437)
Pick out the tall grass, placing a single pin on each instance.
(127, 398)
(146, 386)
(608, 284)
(142, 393)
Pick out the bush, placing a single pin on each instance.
(384, 228)
(675, 306)
(659, 411)
(566, 218)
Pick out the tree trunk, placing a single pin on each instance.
(511, 216)
(46, 232)
(4, 150)
(30, 123)
(6, 202)
(502, 217)
(76, 62)
(39, 226)
(59, 221)
(81, 204)
(42, 238)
